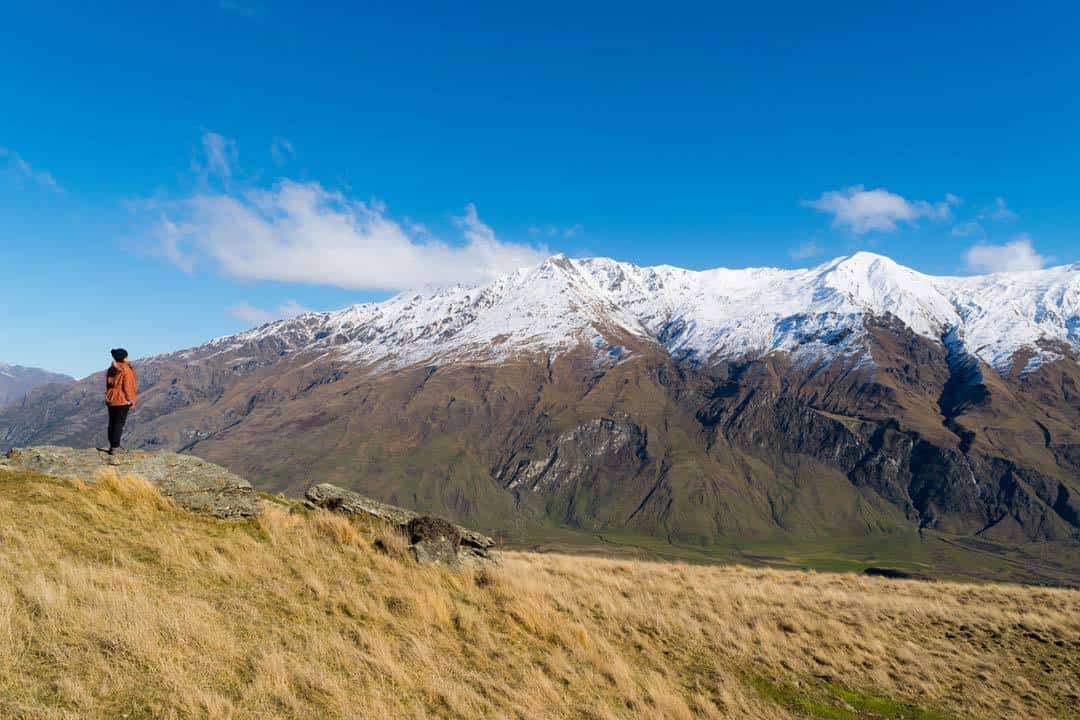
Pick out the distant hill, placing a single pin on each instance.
(16, 381)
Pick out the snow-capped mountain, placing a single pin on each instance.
(706, 316)
(595, 394)
(17, 380)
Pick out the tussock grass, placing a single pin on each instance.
(115, 604)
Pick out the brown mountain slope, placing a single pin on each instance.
(17, 380)
(649, 445)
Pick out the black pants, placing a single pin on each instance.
(117, 417)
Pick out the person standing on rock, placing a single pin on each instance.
(120, 388)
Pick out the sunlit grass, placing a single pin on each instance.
(113, 604)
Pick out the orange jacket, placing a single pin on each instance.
(120, 384)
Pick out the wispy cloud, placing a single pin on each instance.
(968, 229)
(564, 232)
(1017, 255)
(169, 236)
(864, 210)
(219, 155)
(805, 250)
(25, 170)
(303, 232)
(997, 211)
(281, 150)
(252, 315)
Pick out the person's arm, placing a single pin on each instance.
(131, 383)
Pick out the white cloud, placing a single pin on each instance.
(169, 235)
(219, 154)
(252, 315)
(997, 211)
(281, 150)
(302, 232)
(805, 250)
(25, 170)
(865, 210)
(1017, 255)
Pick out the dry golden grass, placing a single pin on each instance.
(114, 604)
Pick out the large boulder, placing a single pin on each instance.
(433, 540)
(193, 483)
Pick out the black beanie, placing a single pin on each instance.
(119, 354)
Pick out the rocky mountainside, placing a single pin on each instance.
(16, 381)
(856, 397)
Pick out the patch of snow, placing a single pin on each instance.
(815, 314)
(1005, 312)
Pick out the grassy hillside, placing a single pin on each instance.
(114, 604)
(926, 555)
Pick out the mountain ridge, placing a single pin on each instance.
(694, 406)
(712, 315)
(17, 380)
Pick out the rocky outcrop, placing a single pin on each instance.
(193, 483)
(592, 447)
(432, 540)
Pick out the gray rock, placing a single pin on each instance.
(434, 540)
(332, 497)
(193, 483)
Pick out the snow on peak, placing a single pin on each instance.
(720, 314)
(550, 307)
(1004, 312)
(879, 285)
(708, 315)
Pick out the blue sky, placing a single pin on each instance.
(170, 175)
